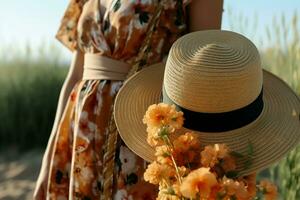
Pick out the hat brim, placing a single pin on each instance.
(275, 132)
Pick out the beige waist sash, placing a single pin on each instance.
(97, 67)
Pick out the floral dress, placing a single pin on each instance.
(88, 161)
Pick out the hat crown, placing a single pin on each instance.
(213, 71)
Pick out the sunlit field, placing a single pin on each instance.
(29, 93)
(30, 86)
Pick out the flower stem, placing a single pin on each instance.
(171, 147)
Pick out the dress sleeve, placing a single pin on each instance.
(67, 32)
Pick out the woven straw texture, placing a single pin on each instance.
(272, 134)
(216, 67)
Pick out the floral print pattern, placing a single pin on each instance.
(78, 157)
(123, 27)
(80, 167)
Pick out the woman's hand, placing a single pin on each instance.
(205, 14)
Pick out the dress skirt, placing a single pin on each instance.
(89, 160)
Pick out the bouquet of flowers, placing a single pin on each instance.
(185, 170)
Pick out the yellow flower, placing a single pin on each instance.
(234, 189)
(211, 155)
(162, 114)
(157, 172)
(198, 182)
(269, 190)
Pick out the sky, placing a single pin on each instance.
(35, 22)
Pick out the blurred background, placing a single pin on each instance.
(33, 66)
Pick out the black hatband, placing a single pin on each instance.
(219, 122)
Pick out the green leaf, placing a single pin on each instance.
(164, 132)
(232, 174)
(250, 149)
(248, 164)
(174, 119)
(171, 191)
(220, 196)
(166, 154)
(250, 152)
(236, 154)
(264, 190)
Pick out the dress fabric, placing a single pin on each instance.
(80, 159)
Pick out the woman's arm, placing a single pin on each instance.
(74, 75)
(204, 14)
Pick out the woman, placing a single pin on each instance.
(84, 159)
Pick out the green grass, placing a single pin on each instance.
(283, 59)
(28, 98)
(30, 89)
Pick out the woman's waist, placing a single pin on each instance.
(104, 68)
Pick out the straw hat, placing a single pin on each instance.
(215, 77)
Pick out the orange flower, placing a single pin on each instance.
(222, 150)
(162, 114)
(155, 135)
(169, 192)
(251, 184)
(156, 115)
(211, 155)
(228, 164)
(153, 138)
(183, 171)
(269, 190)
(185, 148)
(156, 172)
(176, 118)
(163, 154)
(163, 196)
(234, 189)
(198, 182)
(215, 192)
(187, 141)
(176, 188)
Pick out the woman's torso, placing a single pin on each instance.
(115, 29)
(118, 28)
